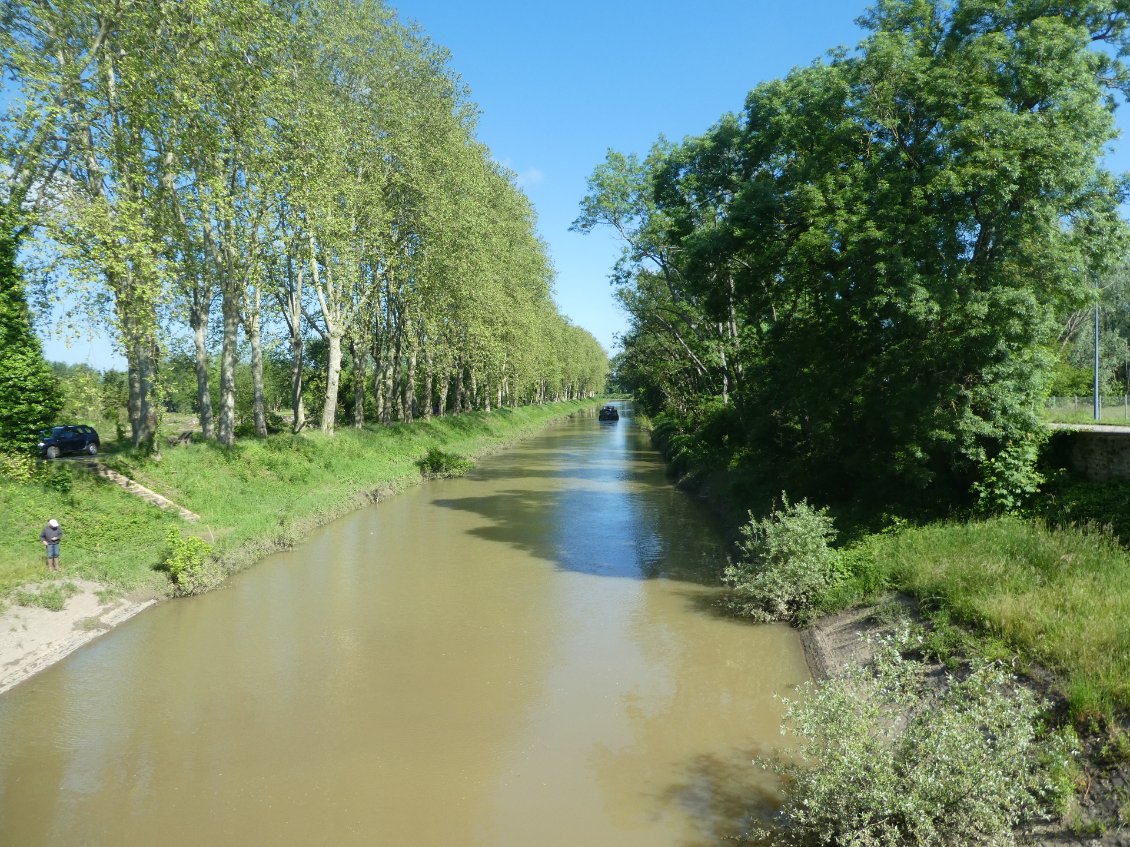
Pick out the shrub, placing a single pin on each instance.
(1069, 501)
(18, 467)
(859, 576)
(885, 760)
(24, 468)
(189, 564)
(438, 464)
(1010, 479)
(784, 563)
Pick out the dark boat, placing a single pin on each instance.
(609, 413)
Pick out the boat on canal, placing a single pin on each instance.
(609, 413)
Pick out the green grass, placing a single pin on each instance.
(108, 535)
(1114, 411)
(261, 495)
(52, 597)
(1059, 597)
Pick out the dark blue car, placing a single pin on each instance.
(58, 440)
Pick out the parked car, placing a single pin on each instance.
(68, 439)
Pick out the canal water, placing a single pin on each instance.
(524, 656)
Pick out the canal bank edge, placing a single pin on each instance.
(33, 638)
(835, 642)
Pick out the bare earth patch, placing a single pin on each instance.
(32, 638)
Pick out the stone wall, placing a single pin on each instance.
(1096, 454)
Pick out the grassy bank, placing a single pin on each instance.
(1060, 598)
(261, 495)
(1052, 588)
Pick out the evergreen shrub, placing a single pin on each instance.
(29, 396)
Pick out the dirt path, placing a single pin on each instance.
(31, 638)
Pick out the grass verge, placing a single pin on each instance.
(1059, 597)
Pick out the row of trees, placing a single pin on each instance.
(862, 276)
(304, 167)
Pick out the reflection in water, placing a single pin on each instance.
(521, 656)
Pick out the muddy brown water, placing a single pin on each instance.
(525, 656)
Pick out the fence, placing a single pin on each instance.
(1113, 409)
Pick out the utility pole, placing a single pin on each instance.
(1098, 400)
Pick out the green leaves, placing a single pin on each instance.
(29, 396)
(316, 149)
(784, 564)
(888, 760)
(870, 261)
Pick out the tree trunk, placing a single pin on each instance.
(133, 391)
(290, 304)
(357, 351)
(146, 437)
(198, 319)
(225, 431)
(258, 402)
(461, 393)
(333, 376)
(428, 374)
(410, 385)
(297, 402)
(386, 390)
(455, 388)
(141, 370)
(397, 388)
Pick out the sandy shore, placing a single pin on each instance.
(32, 638)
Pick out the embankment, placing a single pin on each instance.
(260, 496)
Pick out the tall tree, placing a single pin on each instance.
(29, 397)
(872, 257)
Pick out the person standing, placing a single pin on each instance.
(51, 536)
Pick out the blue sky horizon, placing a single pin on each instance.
(557, 86)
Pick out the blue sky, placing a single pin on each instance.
(559, 84)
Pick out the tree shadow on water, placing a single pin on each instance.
(729, 797)
(597, 531)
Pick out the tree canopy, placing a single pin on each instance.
(308, 168)
(863, 272)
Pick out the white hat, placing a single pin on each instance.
(52, 523)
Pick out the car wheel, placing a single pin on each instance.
(92, 449)
(52, 452)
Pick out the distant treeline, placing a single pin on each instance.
(855, 287)
(286, 170)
